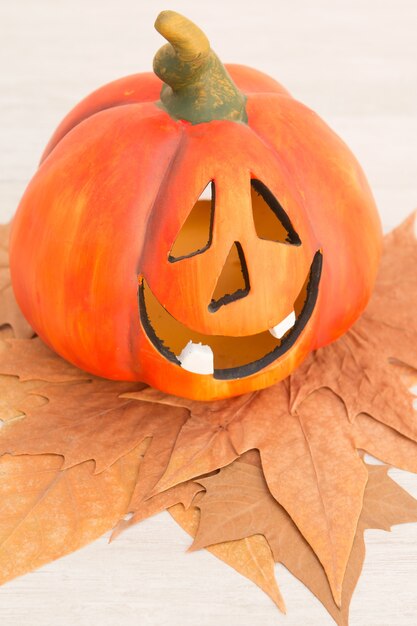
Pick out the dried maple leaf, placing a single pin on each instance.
(89, 421)
(204, 443)
(31, 359)
(16, 396)
(384, 443)
(392, 307)
(10, 313)
(4, 244)
(309, 460)
(48, 511)
(152, 468)
(250, 556)
(238, 504)
(139, 510)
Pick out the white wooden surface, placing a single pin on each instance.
(355, 63)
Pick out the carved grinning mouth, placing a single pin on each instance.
(234, 357)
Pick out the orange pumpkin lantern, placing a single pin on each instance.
(123, 265)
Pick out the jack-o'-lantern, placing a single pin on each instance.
(202, 234)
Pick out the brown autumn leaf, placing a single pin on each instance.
(139, 510)
(204, 443)
(31, 359)
(152, 468)
(250, 556)
(87, 420)
(16, 396)
(384, 443)
(48, 511)
(237, 504)
(10, 313)
(310, 463)
(92, 420)
(362, 377)
(4, 244)
(391, 309)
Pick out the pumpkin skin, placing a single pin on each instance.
(115, 186)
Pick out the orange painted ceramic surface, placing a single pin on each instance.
(116, 183)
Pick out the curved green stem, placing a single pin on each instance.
(197, 86)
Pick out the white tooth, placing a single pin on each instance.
(197, 358)
(280, 329)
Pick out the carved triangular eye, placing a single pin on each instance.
(233, 282)
(270, 219)
(196, 233)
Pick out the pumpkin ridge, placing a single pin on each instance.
(151, 105)
(182, 139)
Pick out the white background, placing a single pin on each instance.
(355, 63)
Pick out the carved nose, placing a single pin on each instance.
(233, 282)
